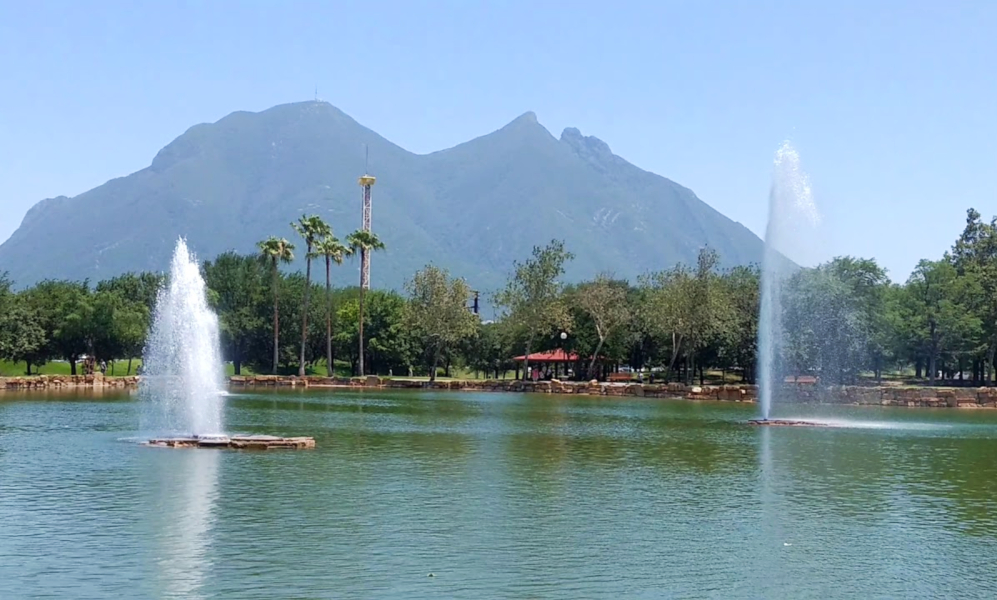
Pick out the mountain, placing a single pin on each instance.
(473, 208)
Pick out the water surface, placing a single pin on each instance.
(498, 496)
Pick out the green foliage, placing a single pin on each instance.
(532, 297)
(689, 308)
(437, 313)
(937, 310)
(21, 335)
(273, 252)
(312, 230)
(835, 320)
(333, 251)
(603, 304)
(238, 293)
(843, 320)
(490, 349)
(389, 345)
(363, 242)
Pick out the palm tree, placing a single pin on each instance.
(272, 252)
(366, 242)
(333, 251)
(311, 229)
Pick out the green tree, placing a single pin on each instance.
(237, 285)
(935, 305)
(836, 321)
(363, 242)
(333, 251)
(532, 298)
(604, 301)
(689, 308)
(311, 229)
(141, 288)
(490, 349)
(21, 335)
(272, 252)
(388, 341)
(63, 310)
(738, 343)
(116, 327)
(437, 312)
(975, 254)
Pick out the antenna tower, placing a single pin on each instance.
(366, 182)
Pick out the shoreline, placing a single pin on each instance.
(67, 382)
(910, 397)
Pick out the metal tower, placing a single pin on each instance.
(366, 182)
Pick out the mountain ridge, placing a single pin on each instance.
(473, 208)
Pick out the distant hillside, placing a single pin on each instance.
(473, 208)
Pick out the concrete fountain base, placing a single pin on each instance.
(784, 423)
(236, 442)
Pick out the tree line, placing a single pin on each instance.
(844, 320)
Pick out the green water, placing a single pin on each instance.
(498, 496)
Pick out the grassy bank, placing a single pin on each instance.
(19, 369)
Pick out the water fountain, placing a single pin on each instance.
(183, 381)
(792, 217)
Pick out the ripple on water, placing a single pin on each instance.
(504, 496)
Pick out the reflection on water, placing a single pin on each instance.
(500, 496)
(184, 483)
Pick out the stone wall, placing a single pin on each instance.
(934, 397)
(931, 397)
(66, 382)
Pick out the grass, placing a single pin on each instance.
(120, 368)
(19, 369)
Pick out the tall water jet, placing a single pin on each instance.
(182, 367)
(791, 220)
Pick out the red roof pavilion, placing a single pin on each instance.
(550, 356)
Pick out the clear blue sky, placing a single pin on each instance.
(891, 103)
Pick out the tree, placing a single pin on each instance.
(738, 342)
(236, 284)
(311, 229)
(63, 310)
(836, 319)
(273, 251)
(689, 308)
(935, 305)
(532, 297)
(975, 254)
(489, 350)
(605, 302)
(437, 312)
(141, 288)
(21, 335)
(333, 251)
(388, 343)
(364, 242)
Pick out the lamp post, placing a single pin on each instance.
(564, 336)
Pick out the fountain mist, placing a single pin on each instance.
(182, 367)
(792, 216)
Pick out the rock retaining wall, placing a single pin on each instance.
(934, 397)
(66, 382)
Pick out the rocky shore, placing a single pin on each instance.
(66, 382)
(926, 397)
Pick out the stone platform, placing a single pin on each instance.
(785, 423)
(237, 442)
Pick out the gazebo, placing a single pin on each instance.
(551, 357)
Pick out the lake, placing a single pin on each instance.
(453, 495)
